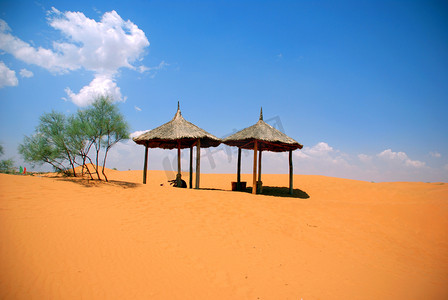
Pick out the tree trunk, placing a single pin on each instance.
(104, 163)
(84, 159)
(85, 156)
(71, 162)
(93, 166)
(96, 165)
(53, 164)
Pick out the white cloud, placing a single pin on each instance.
(137, 133)
(7, 76)
(101, 85)
(322, 159)
(223, 159)
(105, 47)
(301, 154)
(160, 66)
(435, 154)
(102, 47)
(388, 154)
(26, 73)
(322, 153)
(137, 108)
(23, 51)
(400, 157)
(319, 149)
(364, 158)
(143, 69)
(153, 70)
(415, 163)
(54, 10)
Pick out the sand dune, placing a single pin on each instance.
(76, 239)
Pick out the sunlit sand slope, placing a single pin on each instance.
(337, 239)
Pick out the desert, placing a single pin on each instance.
(71, 238)
(230, 149)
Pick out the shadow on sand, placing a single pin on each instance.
(269, 191)
(96, 183)
(281, 192)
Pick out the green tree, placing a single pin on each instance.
(107, 127)
(6, 165)
(79, 130)
(51, 143)
(37, 149)
(59, 140)
(55, 127)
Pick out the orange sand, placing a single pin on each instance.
(71, 239)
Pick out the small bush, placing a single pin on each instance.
(6, 165)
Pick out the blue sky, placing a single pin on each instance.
(362, 84)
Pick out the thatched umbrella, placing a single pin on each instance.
(178, 134)
(262, 137)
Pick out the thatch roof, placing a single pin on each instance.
(267, 137)
(177, 130)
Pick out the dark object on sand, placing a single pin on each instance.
(174, 183)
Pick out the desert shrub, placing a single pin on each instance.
(66, 142)
(6, 165)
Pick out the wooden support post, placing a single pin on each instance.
(259, 165)
(238, 171)
(290, 173)
(179, 176)
(145, 165)
(191, 167)
(254, 184)
(198, 163)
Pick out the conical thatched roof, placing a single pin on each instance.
(268, 138)
(177, 130)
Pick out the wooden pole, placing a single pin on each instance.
(178, 177)
(198, 163)
(238, 171)
(191, 167)
(290, 173)
(254, 184)
(145, 166)
(259, 165)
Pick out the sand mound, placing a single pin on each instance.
(64, 238)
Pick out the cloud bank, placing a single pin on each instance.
(26, 73)
(102, 47)
(100, 85)
(320, 159)
(400, 158)
(7, 76)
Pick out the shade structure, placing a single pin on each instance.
(178, 134)
(262, 137)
